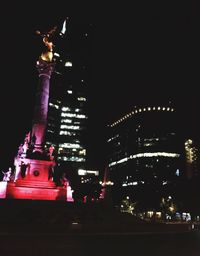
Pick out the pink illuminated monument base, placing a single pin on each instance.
(33, 180)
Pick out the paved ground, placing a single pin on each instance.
(183, 244)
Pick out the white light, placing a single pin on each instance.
(70, 127)
(69, 145)
(66, 109)
(66, 121)
(149, 154)
(56, 54)
(177, 172)
(53, 105)
(68, 64)
(63, 28)
(81, 99)
(83, 172)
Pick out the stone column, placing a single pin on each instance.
(39, 123)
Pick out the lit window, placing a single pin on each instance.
(65, 109)
(56, 54)
(53, 105)
(50, 131)
(71, 159)
(67, 133)
(68, 64)
(81, 99)
(66, 121)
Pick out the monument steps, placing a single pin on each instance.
(35, 183)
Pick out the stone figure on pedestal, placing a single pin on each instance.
(7, 175)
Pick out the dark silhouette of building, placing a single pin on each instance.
(145, 154)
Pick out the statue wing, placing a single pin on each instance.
(52, 31)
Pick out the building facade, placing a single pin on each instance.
(144, 154)
(67, 113)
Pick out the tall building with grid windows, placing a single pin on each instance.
(145, 153)
(67, 113)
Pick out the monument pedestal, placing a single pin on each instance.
(34, 181)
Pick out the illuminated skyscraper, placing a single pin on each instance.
(67, 116)
(144, 152)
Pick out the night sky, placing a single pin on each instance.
(138, 55)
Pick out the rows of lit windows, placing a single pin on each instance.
(73, 115)
(125, 184)
(67, 133)
(71, 159)
(139, 155)
(135, 183)
(140, 110)
(70, 127)
(69, 145)
(79, 150)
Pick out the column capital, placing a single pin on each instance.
(45, 68)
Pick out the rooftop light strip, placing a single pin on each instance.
(148, 154)
(140, 110)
